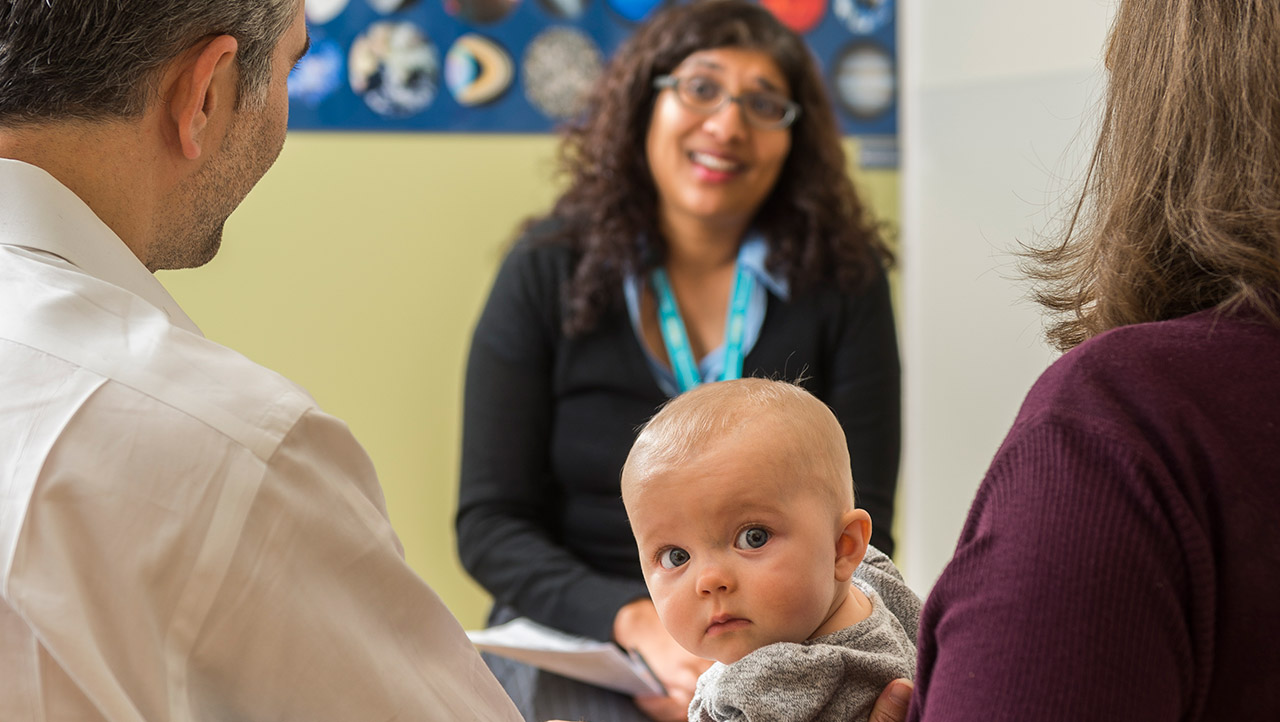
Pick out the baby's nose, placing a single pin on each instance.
(714, 578)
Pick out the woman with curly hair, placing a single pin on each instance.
(709, 231)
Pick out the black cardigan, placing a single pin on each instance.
(548, 421)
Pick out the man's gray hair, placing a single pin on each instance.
(102, 59)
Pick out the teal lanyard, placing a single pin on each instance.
(677, 339)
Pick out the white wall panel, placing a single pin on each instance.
(997, 107)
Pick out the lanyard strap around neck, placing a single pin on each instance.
(677, 339)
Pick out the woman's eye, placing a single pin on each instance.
(703, 89)
(767, 106)
(752, 538)
(673, 557)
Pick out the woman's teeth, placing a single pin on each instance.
(714, 162)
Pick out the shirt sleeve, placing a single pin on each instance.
(865, 392)
(320, 618)
(1069, 594)
(170, 572)
(509, 505)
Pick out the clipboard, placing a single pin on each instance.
(603, 664)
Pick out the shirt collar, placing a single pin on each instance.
(38, 212)
(752, 256)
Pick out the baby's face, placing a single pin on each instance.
(737, 550)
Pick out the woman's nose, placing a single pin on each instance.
(728, 122)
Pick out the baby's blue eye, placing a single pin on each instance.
(673, 557)
(751, 538)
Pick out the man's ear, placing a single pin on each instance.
(851, 545)
(201, 85)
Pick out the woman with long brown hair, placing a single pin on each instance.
(709, 231)
(1122, 559)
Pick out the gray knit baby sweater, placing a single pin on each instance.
(834, 678)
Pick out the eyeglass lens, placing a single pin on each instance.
(704, 94)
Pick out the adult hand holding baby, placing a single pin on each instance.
(891, 706)
(637, 627)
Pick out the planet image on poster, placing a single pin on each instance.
(865, 80)
(320, 12)
(318, 74)
(477, 70)
(635, 10)
(395, 68)
(863, 17)
(799, 15)
(480, 12)
(560, 66)
(566, 9)
(386, 7)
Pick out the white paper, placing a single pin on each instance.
(603, 664)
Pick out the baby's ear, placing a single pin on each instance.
(851, 545)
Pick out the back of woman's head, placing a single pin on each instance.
(816, 227)
(1181, 208)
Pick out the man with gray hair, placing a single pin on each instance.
(184, 535)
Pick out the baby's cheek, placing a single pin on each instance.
(663, 602)
(668, 612)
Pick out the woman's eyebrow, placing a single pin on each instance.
(708, 64)
(760, 80)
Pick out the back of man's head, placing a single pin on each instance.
(101, 59)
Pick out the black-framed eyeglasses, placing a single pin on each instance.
(703, 94)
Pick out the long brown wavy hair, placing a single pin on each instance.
(1180, 210)
(816, 227)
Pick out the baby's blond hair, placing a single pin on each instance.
(687, 425)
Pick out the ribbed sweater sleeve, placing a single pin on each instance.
(1069, 588)
(1121, 559)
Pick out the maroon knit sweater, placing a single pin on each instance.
(1122, 558)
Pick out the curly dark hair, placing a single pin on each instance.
(1180, 210)
(816, 227)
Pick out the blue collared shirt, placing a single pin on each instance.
(751, 256)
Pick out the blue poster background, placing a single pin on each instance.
(322, 98)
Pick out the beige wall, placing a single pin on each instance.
(357, 268)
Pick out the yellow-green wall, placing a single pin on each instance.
(357, 268)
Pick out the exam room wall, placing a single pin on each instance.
(357, 268)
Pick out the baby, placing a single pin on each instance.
(740, 496)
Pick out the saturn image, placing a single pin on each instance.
(477, 70)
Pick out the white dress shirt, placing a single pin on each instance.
(184, 535)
